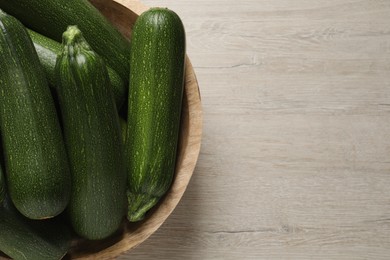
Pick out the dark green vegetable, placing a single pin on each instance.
(48, 50)
(51, 18)
(155, 99)
(22, 238)
(38, 178)
(93, 139)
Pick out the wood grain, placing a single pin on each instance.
(295, 151)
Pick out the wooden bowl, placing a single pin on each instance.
(123, 13)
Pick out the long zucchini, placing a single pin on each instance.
(38, 178)
(48, 50)
(93, 139)
(52, 17)
(22, 238)
(155, 99)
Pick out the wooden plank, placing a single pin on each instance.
(295, 159)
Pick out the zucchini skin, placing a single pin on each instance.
(38, 177)
(51, 18)
(48, 50)
(155, 98)
(93, 139)
(22, 238)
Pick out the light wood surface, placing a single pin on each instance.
(295, 157)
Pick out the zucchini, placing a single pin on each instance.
(48, 50)
(155, 98)
(51, 18)
(22, 238)
(37, 170)
(93, 139)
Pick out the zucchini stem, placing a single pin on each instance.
(74, 41)
(139, 204)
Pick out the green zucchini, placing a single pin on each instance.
(93, 139)
(51, 18)
(48, 50)
(155, 99)
(22, 238)
(37, 170)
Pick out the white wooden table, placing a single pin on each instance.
(295, 158)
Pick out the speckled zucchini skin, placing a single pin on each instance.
(93, 139)
(155, 100)
(22, 238)
(52, 17)
(38, 178)
(48, 50)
